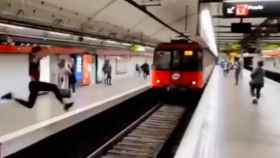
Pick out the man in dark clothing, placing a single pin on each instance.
(237, 71)
(145, 69)
(137, 68)
(72, 80)
(257, 81)
(36, 86)
(34, 66)
(107, 70)
(109, 73)
(72, 76)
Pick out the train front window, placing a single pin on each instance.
(176, 60)
(162, 59)
(191, 61)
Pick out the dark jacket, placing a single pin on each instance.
(145, 68)
(257, 76)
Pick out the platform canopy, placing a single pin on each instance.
(117, 19)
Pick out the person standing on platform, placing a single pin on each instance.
(109, 73)
(226, 68)
(237, 66)
(137, 68)
(63, 78)
(72, 77)
(36, 86)
(107, 70)
(104, 69)
(63, 75)
(257, 82)
(145, 69)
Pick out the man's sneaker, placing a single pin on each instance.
(67, 106)
(255, 101)
(7, 96)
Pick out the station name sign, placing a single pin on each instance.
(252, 9)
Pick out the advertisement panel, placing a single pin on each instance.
(79, 69)
(251, 9)
(87, 61)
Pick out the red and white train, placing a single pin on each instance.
(181, 64)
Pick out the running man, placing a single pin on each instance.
(36, 86)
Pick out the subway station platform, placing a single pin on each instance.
(21, 127)
(227, 125)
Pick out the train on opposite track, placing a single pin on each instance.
(182, 64)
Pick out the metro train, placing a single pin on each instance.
(182, 64)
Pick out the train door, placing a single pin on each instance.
(176, 75)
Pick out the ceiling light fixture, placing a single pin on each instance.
(11, 26)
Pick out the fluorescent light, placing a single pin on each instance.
(91, 39)
(111, 42)
(11, 26)
(126, 44)
(59, 34)
(207, 30)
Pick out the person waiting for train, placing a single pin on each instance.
(63, 78)
(257, 82)
(109, 73)
(226, 68)
(237, 67)
(72, 76)
(107, 70)
(145, 69)
(137, 69)
(36, 86)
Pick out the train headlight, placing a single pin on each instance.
(157, 81)
(194, 82)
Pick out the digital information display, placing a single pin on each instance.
(251, 9)
(79, 69)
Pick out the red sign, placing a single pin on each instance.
(242, 10)
(7, 49)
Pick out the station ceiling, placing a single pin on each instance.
(111, 18)
(222, 26)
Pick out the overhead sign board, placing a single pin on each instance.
(241, 27)
(251, 9)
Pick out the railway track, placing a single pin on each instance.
(145, 137)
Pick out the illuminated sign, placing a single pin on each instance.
(87, 61)
(79, 69)
(242, 10)
(188, 53)
(251, 9)
(79, 64)
(137, 48)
